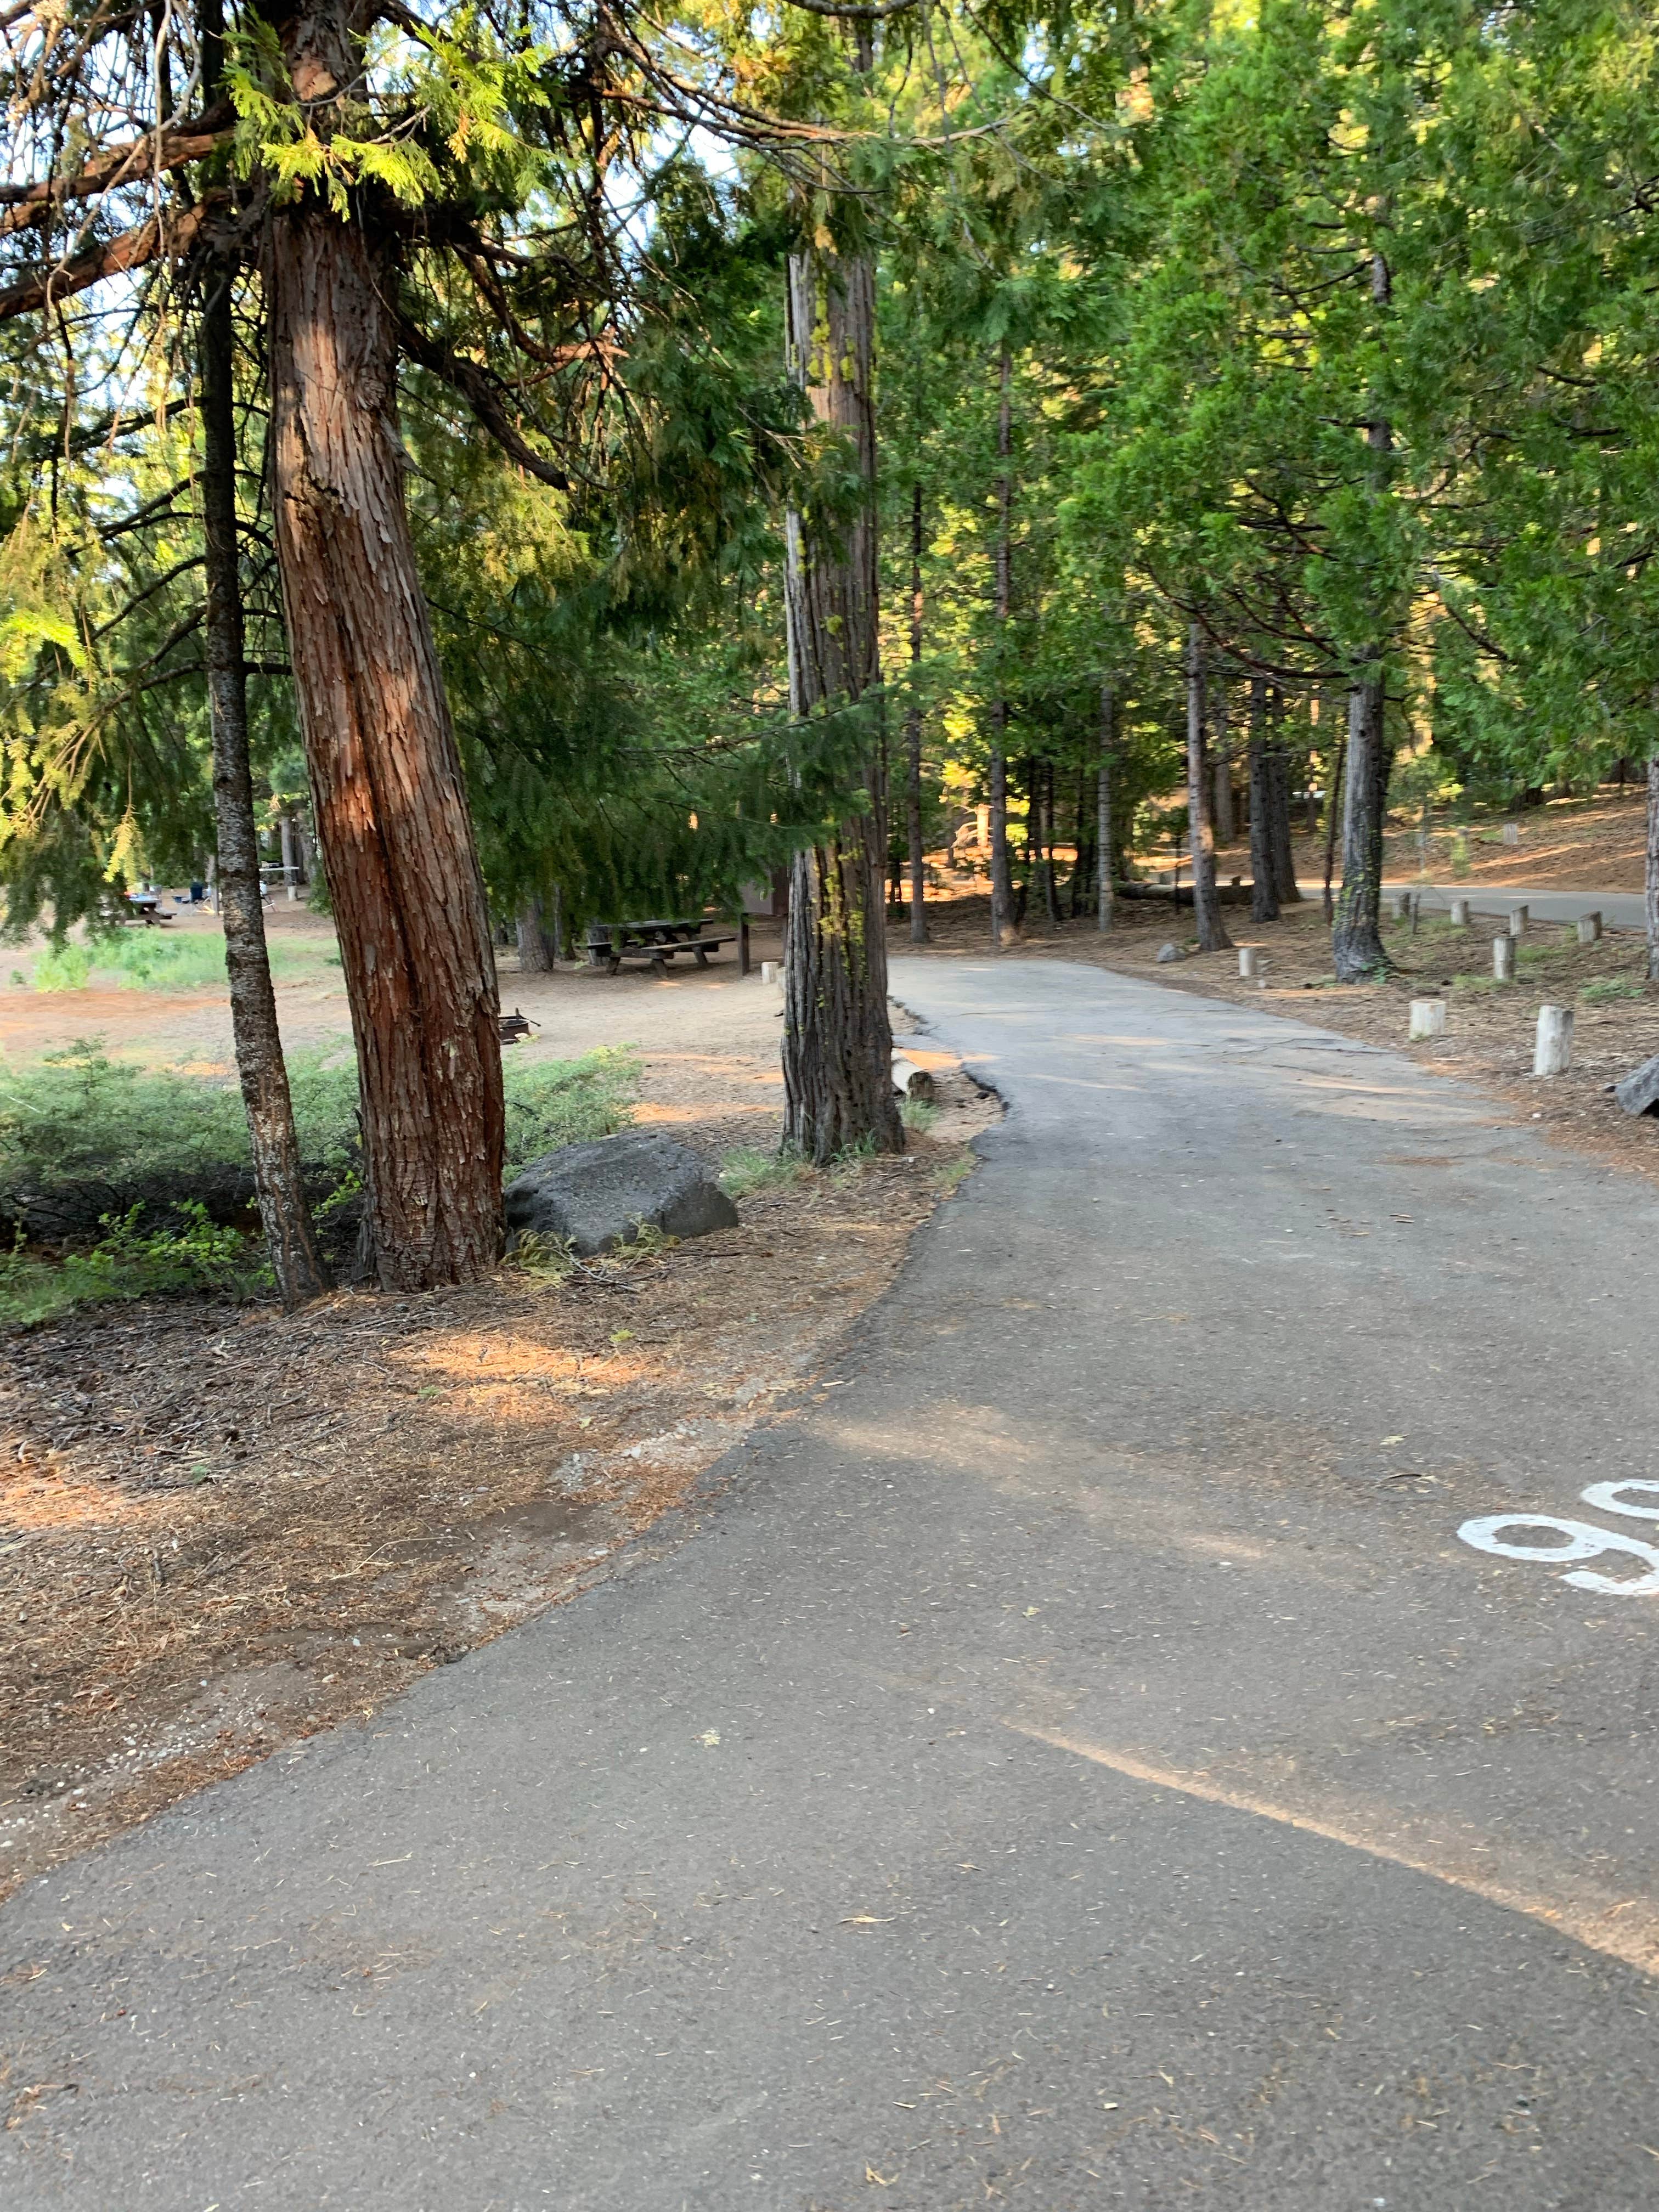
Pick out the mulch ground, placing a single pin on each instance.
(1490, 1029)
(221, 1530)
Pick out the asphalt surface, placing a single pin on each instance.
(1075, 1763)
(1618, 910)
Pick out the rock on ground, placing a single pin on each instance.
(597, 1196)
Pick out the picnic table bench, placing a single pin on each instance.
(610, 943)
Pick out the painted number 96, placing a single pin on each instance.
(1580, 1540)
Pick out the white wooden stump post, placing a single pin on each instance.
(1518, 918)
(1460, 914)
(1428, 1019)
(1511, 833)
(1553, 1055)
(1249, 960)
(771, 971)
(1400, 904)
(1589, 928)
(1503, 958)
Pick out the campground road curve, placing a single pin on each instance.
(1075, 1763)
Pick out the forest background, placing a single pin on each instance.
(1252, 394)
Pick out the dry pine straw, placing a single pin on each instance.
(1490, 1032)
(222, 1530)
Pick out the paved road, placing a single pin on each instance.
(1618, 910)
(1128, 1790)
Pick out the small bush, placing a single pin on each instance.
(918, 1114)
(131, 1262)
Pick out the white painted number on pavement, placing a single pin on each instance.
(1579, 1540)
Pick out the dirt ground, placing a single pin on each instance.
(222, 1530)
(1595, 844)
(1490, 1029)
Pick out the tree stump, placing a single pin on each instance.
(1553, 1053)
(1428, 1019)
(1503, 958)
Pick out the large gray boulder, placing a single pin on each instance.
(595, 1196)
(1640, 1092)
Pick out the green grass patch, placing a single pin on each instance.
(1474, 985)
(138, 959)
(1606, 988)
(746, 1170)
(918, 1114)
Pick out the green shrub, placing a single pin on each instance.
(918, 1114)
(131, 1262)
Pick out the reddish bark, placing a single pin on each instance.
(385, 776)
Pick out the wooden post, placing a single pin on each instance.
(1553, 1053)
(1400, 905)
(1460, 914)
(1511, 833)
(1518, 918)
(1503, 958)
(1589, 928)
(743, 945)
(1428, 1019)
(1249, 960)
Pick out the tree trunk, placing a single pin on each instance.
(1043, 805)
(837, 1040)
(537, 952)
(1339, 761)
(1357, 937)
(385, 777)
(1264, 897)
(278, 1177)
(1104, 808)
(912, 739)
(1002, 884)
(1222, 773)
(1652, 881)
(1207, 909)
(1278, 788)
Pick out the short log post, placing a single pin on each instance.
(1553, 1052)
(1428, 1019)
(1503, 958)
(771, 972)
(911, 1081)
(1511, 833)
(744, 963)
(1589, 928)
(1460, 914)
(1400, 905)
(1518, 918)
(1249, 960)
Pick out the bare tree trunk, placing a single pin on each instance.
(1357, 937)
(1104, 808)
(1651, 903)
(837, 1040)
(1221, 772)
(1207, 909)
(913, 739)
(1002, 882)
(1279, 785)
(1333, 803)
(385, 776)
(278, 1176)
(1264, 898)
(536, 950)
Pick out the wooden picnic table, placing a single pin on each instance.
(658, 942)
